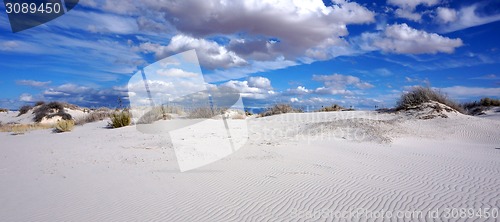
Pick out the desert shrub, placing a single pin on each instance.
(205, 112)
(248, 113)
(120, 119)
(64, 126)
(331, 108)
(39, 103)
(279, 109)
(2, 110)
(24, 109)
(418, 95)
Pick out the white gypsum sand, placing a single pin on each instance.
(292, 165)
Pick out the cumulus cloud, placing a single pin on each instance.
(25, 97)
(254, 87)
(446, 15)
(300, 90)
(32, 83)
(465, 17)
(176, 73)
(211, 54)
(406, 8)
(403, 39)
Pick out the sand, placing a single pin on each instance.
(294, 167)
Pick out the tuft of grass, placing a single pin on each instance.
(418, 95)
(279, 109)
(2, 110)
(120, 119)
(478, 107)
(331, 108)
(64, 126)
(24, 109)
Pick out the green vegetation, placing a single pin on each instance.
(120, 119)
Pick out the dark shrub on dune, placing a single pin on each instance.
(50, 110)
(279, 109)
(331, 108)
(39, 103)
(419, 95)
(2, 110)
(120, 119)
(24, 109)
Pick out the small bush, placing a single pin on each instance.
(120, 119)
(39, 103)
(2, 110)
(24, 109)
(331, 108)
(419, 95)
(279, 109)
(64, 126)
(155, 114)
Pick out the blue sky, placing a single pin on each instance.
(308, 53)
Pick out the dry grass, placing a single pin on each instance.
(419, 95)
(93, 117)
(280, 109)
(64, 126)
(17, 129)
(2, 110)
(157, 113)
(120, 119)
(205, 112)
(478, 107)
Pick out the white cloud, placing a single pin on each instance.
(294, 100)
(300, 90)
(32, 83)
(338, 81)
(175, 72)
(466, 17)
(446, 15)
(259, 82)
(402, 39)
(25, 97)
(464, 91)
(406, 8)
(211, 54)
(260, 88)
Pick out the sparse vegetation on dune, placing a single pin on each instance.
(280, 109)
(120, 119)
(205, 112)
(50, 110)
(331, 108)
(478, 107)
(419, 95)
(24, 109)
(93, 117)
(155, 114)
(2, 110)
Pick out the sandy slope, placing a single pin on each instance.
(293, 165)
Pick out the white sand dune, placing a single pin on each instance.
(295, 167)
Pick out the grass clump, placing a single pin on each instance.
(478, 107)
(155, 114)
(17, 129)
(419, 95)
(24, 109)
(331, 108)
(120, 119)
(280, 109)
(64, 126)
(93, 117)
(2, 110)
